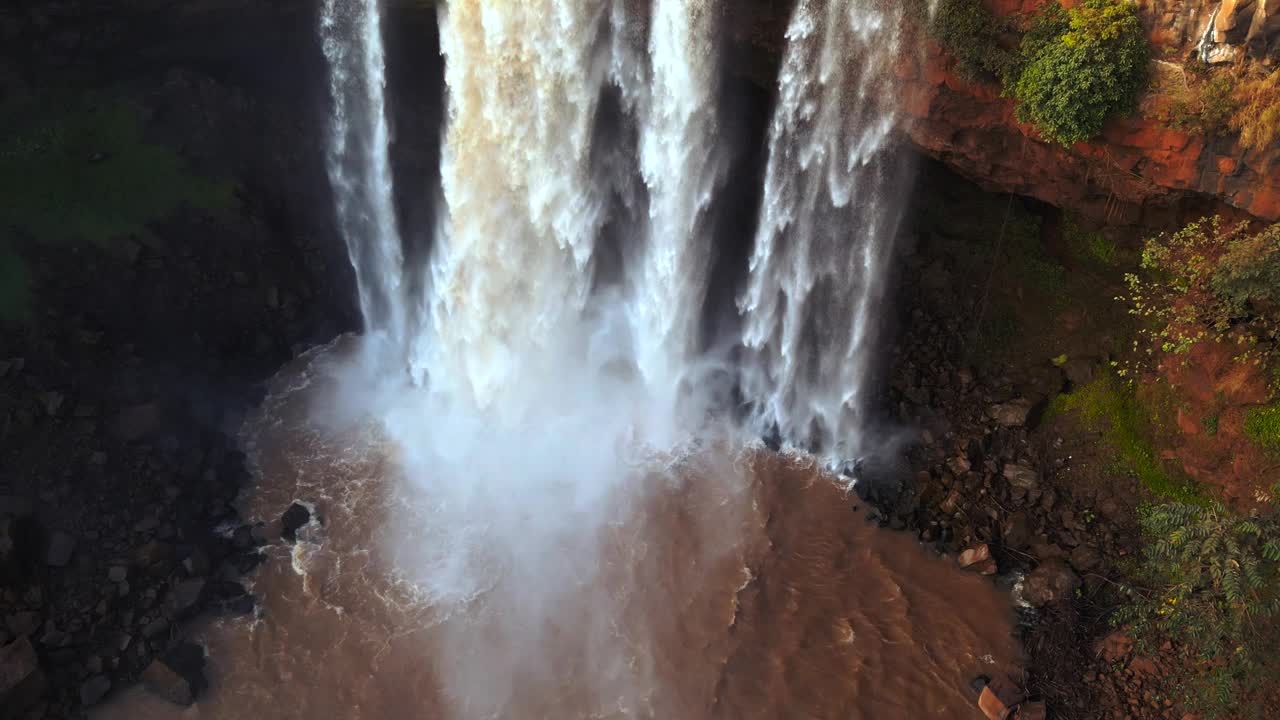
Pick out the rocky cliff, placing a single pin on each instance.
(1141, 170)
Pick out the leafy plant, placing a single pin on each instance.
(1079, 67)
(1258, 114)
(971, 33)
(1210, 281)
(1214, 579)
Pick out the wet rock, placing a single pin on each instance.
(1010, 414)
(1022, 475)
(1017, 531)
(978, 559)
(21, 680)
(61, 546)
(294, 518)
(999, 697)
(94, 689)
(1114, 647)
(1050, 583)
(179, 676)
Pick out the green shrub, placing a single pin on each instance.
(1214, 588)
(1079, 67)
(1209, 281)
(1090, 245)
(971, 33)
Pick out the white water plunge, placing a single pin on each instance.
(542, 397)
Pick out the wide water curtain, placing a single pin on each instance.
(829, 216)
(358, 163)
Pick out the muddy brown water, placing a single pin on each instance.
(742, 586)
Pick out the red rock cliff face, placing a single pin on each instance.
(1139, 170)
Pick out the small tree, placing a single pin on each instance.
(1215, 578)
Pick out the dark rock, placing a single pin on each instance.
(137, 422)
(185, 597)
(1032, 711)
(21, 680)
(179, 676)
(1010, 414)
(1085, 558)
(16, 506)
(154, 558)
(155, 628)
(94, 689)
(1114, 647)
(1050, 583)
(118, 574)
(23, 624)
(61, 546)
(1021, 475)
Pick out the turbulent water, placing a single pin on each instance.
(741, 585)
(535, 469)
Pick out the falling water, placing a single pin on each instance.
(359, 167)
(827, 224)
(682, 164)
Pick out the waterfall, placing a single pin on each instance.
(827, 225)
(682, 165)
(358, 163)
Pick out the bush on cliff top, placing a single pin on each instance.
(971, 33)
(1079, 67)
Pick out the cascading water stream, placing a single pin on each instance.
(359, 166)
(827, 225)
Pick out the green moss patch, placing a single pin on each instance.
(81, 169)
(1262, 426)
(1109, 407)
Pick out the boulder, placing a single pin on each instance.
(21, 680)
(1022, 475)
(185, 597)
(94, 689)
(1050, 583)
(294, 518)
(137, 422)
(978, 559)
(1011, 414)
(999, 697)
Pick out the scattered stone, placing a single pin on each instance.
(94, 689)
(1085, 558)
(21, 680)
(1114, 647)
(61, 546)
(294, 518)
(118, 574)
(999, 697)
(1142, 665)
(154, 557)
(179, 676)
(1011, 414)
(1050, 583)
(155, 628)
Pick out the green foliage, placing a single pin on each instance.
(1210, 424)
(1090, 245)
(1109, 407)
(971, 33)
(1079, 67)
(81, 169)
(1208, 281)
(1262, 426)
(1209, 110)
(1214, 579)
